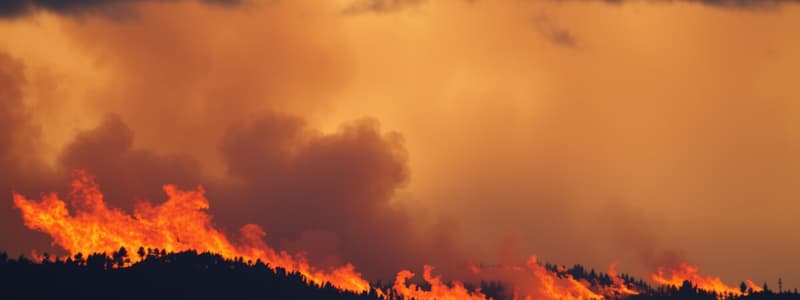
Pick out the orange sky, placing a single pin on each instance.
(584, 132)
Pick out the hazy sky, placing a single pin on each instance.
(437, 131)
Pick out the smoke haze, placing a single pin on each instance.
(392, 134)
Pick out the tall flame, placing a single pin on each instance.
(178, 224)
(675, 276)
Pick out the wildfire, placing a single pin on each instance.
(677, 275)
(179, 224)
(438, 290)
(554, 287)
(534, 281)
(619, 287)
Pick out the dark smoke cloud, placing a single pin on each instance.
(12, 112)
(11, 116)
(15, 8)
(12, 8)
(325, 194)
(19, 170)
(126, 173)
(721, 3)
(180, 103)
(559, 37)
(300, 182)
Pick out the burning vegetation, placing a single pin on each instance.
(169, 236)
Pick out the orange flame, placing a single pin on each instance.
(691, 273)
(535, 281)
(554, 287)
(619, 287)
(438, 291)
(753, 286)
(179, 224)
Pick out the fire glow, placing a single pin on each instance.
(181, 223)
(685, 272)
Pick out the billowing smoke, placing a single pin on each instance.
(391, 140)
(327, 194)
(193, 115)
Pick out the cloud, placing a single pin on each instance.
(12, 113)
(19, 137)
(296, 181)
(327, 195)
(749, 4)
(744, 3)
(500, 134)
(200, 76)
(15, 8)
(126, 173)
(190, 106)
(12, 8)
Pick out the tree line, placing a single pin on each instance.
(158, 274)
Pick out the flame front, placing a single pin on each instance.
(179, 224)
(676, 277)
(534, 281)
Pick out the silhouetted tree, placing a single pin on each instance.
(184, 275)
(687, 288)
(78, 259)
(200, 276)
(120, 257)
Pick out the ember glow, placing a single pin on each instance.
(178, 224)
